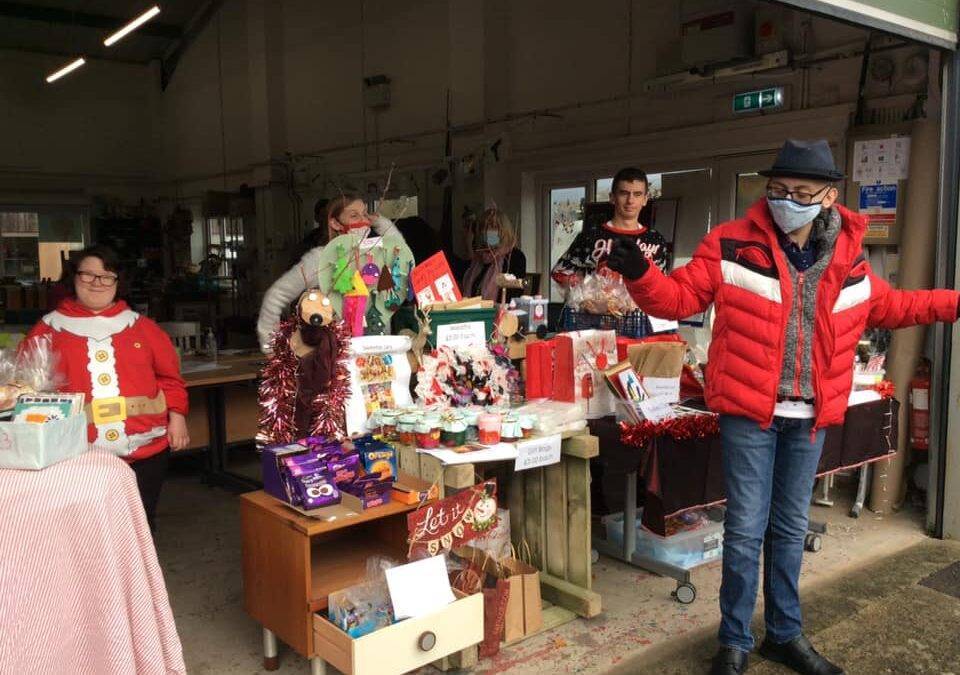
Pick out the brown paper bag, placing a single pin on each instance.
(525, 608)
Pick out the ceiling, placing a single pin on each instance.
(78, 27)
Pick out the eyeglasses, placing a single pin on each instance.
(102, 279)
(804, 198)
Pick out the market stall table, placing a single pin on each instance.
(223, 410)
(680, 475)
(80, 586)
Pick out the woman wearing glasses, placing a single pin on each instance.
(127, 367)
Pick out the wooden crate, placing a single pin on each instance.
(550, 523)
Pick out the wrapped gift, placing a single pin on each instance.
(581, 358)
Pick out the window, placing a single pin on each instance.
(224, 239)
(750, 188)
(604, 185)
(401, 207)
(566, 221)
(33, 241)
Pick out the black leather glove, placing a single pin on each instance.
(627, 259)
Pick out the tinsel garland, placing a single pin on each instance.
(278, 390)
(885, 389)
(683, 428)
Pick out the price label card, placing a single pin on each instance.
(662, 325)
(538, 452)
(469, 334)
(657, 409)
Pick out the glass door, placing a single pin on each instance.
(565, 208)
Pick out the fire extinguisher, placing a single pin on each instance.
(920, 407)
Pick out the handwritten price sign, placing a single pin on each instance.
(538, 452)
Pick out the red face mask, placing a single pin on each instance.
(359, 225)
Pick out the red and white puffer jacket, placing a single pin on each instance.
(741, 269)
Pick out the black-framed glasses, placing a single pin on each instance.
(102, 279)
(798, 196)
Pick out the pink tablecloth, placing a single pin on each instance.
(81, 590)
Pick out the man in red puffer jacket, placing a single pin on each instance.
(793, 294)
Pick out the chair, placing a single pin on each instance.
(186, 335)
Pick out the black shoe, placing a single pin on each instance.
(730, 661)
(798, 655)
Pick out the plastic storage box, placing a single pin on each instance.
(685, 550)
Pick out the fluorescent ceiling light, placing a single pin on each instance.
(66, 70)
(132, 26)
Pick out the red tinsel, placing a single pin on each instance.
(681, 428)
(885, 389)
(278, 391)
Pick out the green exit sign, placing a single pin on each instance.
(764, 99)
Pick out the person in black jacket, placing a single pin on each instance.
(494, 251)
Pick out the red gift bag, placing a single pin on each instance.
(540, 367)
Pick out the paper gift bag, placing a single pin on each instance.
(581, 358)
(524, 607)
(539, 369)
(495, 602)
(659, 365)
(25, 445)
(379, 377)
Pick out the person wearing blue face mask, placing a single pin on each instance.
(494, 252)
(793, 292)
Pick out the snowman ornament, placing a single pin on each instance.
(485, 511)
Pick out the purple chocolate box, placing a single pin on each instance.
(270, 466)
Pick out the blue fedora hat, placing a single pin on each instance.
(805, 159)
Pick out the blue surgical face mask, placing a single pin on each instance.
(491, 238)
(790, 216)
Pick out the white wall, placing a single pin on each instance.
(91, 132)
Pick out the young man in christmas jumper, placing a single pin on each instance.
(793, 293)
(588, 253)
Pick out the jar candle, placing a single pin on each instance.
(510, 431)
(454, 433)
(407, 429)
(470, 417)
(428, 435)
(528, 424)
(387, 420)
(488, 425)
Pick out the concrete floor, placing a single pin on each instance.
(198, 544)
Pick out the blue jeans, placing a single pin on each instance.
(768, 476)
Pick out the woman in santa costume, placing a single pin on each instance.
(127, 367)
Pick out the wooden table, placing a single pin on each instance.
(223, 411)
